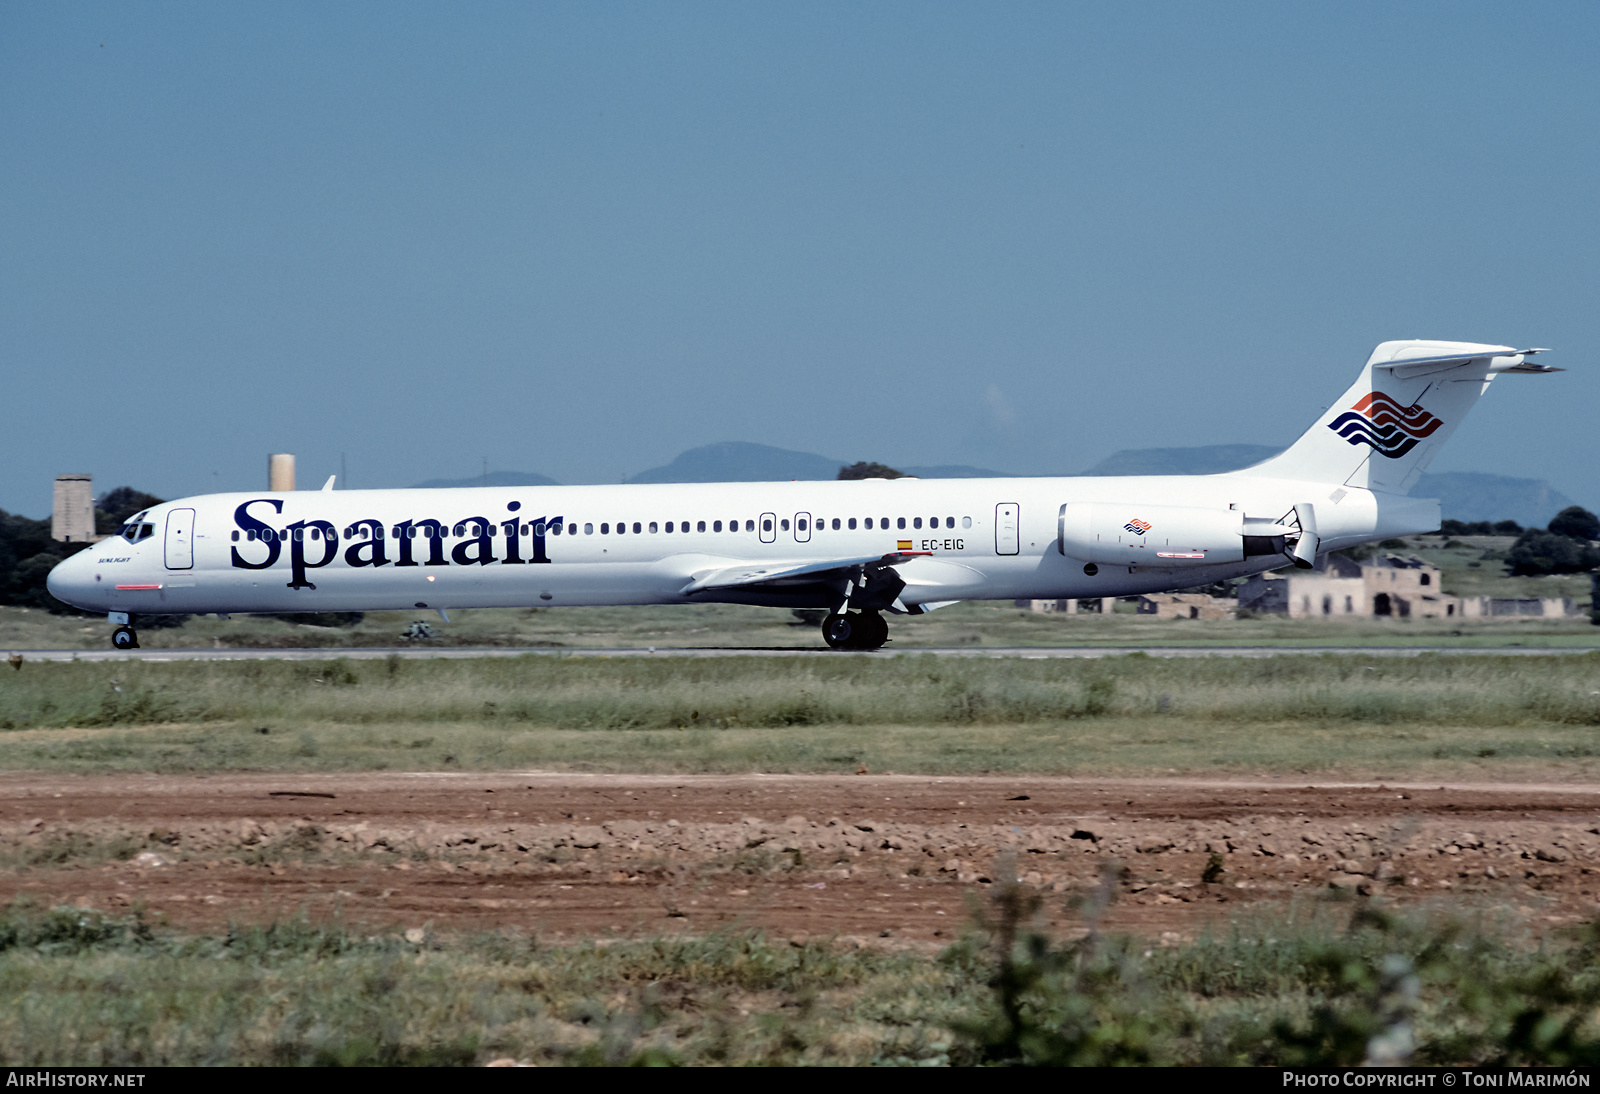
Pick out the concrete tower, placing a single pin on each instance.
(72, 518)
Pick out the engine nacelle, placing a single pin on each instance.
(1162, 537)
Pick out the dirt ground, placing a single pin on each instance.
(882, 858)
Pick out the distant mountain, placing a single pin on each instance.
(1473, 495)
(494, 478)
(955, 471)
(741, 461)
(1463, 495)
(1208, 460)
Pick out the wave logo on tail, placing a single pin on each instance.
(1390, 429)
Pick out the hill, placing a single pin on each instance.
(494, 478)
(743, 461)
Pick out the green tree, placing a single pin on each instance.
(861, 469)
(1538, 552)
(1576, 522)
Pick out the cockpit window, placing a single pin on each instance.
(134, 531)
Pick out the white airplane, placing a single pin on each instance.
(857, 549)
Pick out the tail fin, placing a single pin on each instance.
(1384, 431)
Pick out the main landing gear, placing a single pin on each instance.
(855, 631)
(124, 638)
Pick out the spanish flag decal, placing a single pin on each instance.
(905, 545)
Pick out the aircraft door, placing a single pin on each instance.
(1007, 528)
(802, 527)
(180, 539)
(769, 527)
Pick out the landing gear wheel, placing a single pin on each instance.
(838, 630)
(873, 631)
(123, 638)
(855, 631)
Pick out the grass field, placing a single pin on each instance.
(1318, 986)
(1327, 713)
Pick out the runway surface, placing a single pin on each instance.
(1022, 652)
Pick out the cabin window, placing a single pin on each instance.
(900, 523)
(966, 522)
(749, 526)
(635, 527)
(868, 523)
(949, 522)
(836, 523)
(588, 529)
(700, 527)
(653, 528)
(766, 526)
(316, 533)
(800, 525)
(555, 529)
(916, 522)
(852, 524)
(784, 524)
(539, 528)
(605, 529)
(236, 537)
(716, 526)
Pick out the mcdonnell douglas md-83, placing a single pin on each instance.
(857, 549)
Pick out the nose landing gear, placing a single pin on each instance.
(855, 631)
(124, 638)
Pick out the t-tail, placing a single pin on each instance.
(1384, 431)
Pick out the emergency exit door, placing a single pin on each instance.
(1007, 528)
(180, 539)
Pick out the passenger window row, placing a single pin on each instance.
(474, 529)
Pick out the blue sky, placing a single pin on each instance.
(579, 238)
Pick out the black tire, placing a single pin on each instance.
(873, 631)
(123, 638)
(838, 631)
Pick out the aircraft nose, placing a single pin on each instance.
(72, 580)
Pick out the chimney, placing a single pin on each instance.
(280, 471)
(72, 517)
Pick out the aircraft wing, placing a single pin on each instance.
(757, 575)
